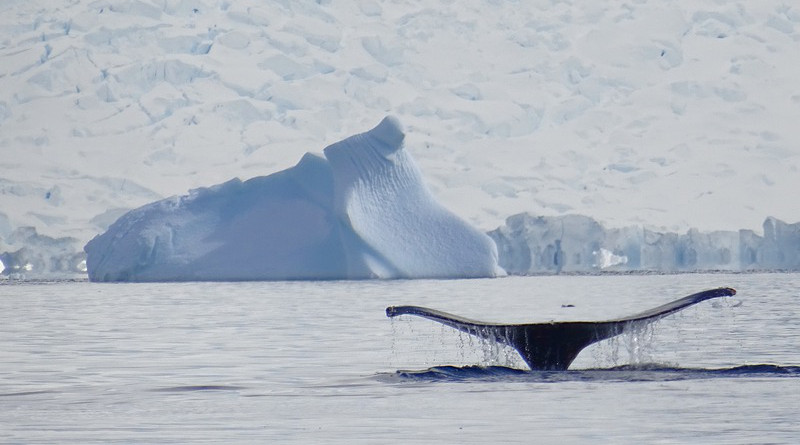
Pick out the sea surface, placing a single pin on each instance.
(319, 362)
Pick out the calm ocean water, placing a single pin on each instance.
(319, 362)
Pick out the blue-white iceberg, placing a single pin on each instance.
(362, 211)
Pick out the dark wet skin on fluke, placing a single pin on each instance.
(554, 345)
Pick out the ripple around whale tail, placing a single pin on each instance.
(633, 373)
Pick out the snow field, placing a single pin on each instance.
(666, 115)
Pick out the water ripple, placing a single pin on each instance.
(26, 393)
(191, 388)
(630, 373)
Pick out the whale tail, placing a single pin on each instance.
(554, 345)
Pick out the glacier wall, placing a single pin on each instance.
(24, 252)
(529, 244)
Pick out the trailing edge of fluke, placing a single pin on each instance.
(554, 345)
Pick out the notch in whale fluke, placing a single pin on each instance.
(553, 346)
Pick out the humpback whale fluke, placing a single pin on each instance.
(554, 345)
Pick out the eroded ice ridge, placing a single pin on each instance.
(573, 243)
(362, 211)
(400, 229)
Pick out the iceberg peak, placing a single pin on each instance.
(366, 151)
(390, 132)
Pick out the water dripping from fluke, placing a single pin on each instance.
(555, 345)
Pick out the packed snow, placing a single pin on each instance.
(668, 117)
(362, 211)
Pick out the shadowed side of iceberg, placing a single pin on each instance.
(408, 234)
(362, 213)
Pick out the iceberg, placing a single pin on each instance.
(360, 211)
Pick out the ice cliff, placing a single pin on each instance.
(529, 244)
(361, 211)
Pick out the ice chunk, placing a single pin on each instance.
(529, 244)
(605, 259)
